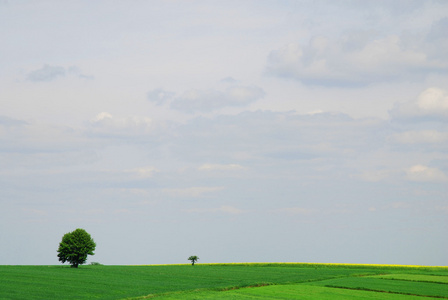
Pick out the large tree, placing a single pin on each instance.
(75, 246)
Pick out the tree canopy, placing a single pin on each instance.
(193, 259)
(75, 246)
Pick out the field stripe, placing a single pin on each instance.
(414, 277)
(390, 286)
(296, 291)
(385, 292)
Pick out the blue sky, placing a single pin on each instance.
(237, 131)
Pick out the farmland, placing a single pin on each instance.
(224, 281)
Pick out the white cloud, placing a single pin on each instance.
(192, 191)
(425, 174)
(420, 137)
(34, 137)
(146, 172)
(432, 103)
(160, 96)
(356, 59)
(377, 175)
(229, 80)
(230, 210)
(419, 173)
(220, 167)
(122, 211)
(315, 112)
(285, 136)
(94, 211)
(433, 100)
(102, 116)
(196, 100)
(209, 100)
(296, 210)
(223, 209)
(75, 71)
(133, 191)
(437, 40)
(38, 212)
(399, 205)
(443, 209)
(106, 124)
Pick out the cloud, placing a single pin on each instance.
(46, 73)
(159, 96)
(418, 173)
(220, 167)
(97, 211)
(102, 116)
(229, 80)
(269, 135)
(399, 205)
(296, 210)
(359, 58)
(443, 209)
(420, 137)
(437, 40)
(145, 172)
(107, 125)
(223, 209)
(75, 71)
(33, 211)
(192, 191)
(431, 103)
(50, 73)
(8, 122)
(423, 173)
(209, 100)
(196, 100)
(377, 175)
(20, 137)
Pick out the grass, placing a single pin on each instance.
(294, 291)
(413, 277)
(222, 281)
(389, 286)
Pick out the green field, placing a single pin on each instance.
(224, 281)
(413, 277)
(390, 286)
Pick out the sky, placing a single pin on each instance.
(237, 131)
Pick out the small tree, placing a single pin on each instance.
(75, 246)
(193, 259)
